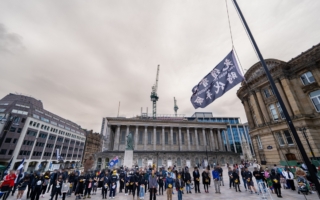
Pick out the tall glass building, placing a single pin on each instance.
(234, 135)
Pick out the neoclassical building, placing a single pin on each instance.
(298, 83)
(170, 141)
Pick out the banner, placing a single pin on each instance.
(222, 78)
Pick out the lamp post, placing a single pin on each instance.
(303, 130)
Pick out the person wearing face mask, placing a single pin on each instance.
(141, 185)
(169, 186)
(187, 180)
(105, 186)
(153, 185)
(179, 186)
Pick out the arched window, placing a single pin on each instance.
(315, 98)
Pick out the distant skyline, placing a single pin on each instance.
(80, 58)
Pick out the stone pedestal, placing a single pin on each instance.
(128, 158)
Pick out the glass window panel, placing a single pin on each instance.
(280, 110)
(288, 137)
(273, 112)
(280, 139)
(315, 97)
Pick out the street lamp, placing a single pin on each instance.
(303, 130)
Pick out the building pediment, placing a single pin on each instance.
(257, 70)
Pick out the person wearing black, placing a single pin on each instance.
(248, 177)
(113, 184)
(45, 183)
(153, 185)
(275, 178)
(236, 180)
(134, 183)
(53, 177)
(187, 180)
(196, 178)
(231, 183)
(205, 180)
(160, 183)
(22, 186)
(80, 185)
(29, 192)
(105, 186)
(122, 180)
(56, 188)
(243, 178)
(36, 187)
(71, 180)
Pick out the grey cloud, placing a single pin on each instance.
(9, 42)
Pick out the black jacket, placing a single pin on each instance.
(187, 177)
(196, 175)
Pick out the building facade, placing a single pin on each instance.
(29, 131)
(169, 141)
(298, 84)
(93, 144)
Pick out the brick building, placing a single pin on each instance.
(93, 144)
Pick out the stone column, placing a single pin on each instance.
(204, 139)
(116, 139)
(188, 138)
(136, 137)
(127, 131)
(171, 137)
(262, 106)
(227, 140)
(247, 109)
(163, 139)
(154, 137)
(284, 98)
(212, 140)
(255, 108)
(290, 95)
(180, 140)
(220, 140)
(196, 138)
(145, 138)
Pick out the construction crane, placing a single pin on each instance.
(175, 106)
(154, 96)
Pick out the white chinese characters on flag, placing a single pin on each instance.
(222, 78)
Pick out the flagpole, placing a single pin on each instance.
(284, 109)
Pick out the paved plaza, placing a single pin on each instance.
(226, 193)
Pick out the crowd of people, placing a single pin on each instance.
(139, 181)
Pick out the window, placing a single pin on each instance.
(19, 130)
(3, 151)
(280, 110)
(43, 135)
(174, 138)
(159, 162)
(259, 142)
(2, 109)
(23, 106)
(149, 137)
(158, 137)
(14, 141)
(273, 112)
(315, 98)
(266, 92)
(166, 138)
(10, 152)
(8, 140)
(288, 137)
(36, 116)
(140, 137)
(280, 139)
(178, 161)
(4, 104)
(123, 137)
(45, 119)
(13, 129)
(307, 78)
(23, 120)
(19, 112)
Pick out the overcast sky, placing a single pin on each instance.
(82, 57)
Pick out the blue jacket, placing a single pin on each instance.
(169, 180)
(215, 174)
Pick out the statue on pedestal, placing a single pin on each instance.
(129, 142)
